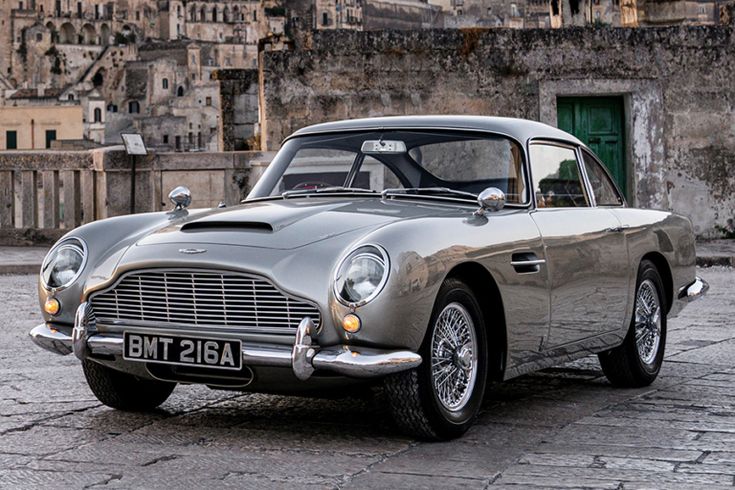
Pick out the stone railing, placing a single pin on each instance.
(44, 194)
(49, 190)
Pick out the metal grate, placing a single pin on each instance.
(202, 298)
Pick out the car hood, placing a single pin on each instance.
(289, 223)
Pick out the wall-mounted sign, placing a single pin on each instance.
(134, 144)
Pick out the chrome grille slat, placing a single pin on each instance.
(201, 299)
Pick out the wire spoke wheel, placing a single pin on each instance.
(647, 321)
(454, 353)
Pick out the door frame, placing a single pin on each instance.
(643, 128)
(618, 102)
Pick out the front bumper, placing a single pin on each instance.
(304, 357)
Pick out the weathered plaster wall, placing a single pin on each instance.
(238, 93)
(677, 83)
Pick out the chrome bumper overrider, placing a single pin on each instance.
(695, 290)
(304, 357)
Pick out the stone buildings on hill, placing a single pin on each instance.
(132, 65)
(148, 66)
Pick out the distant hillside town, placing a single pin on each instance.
(77, 74)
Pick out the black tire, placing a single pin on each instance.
(623, 366)
(125, 391)
(415, 405)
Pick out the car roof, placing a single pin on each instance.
(520, 129)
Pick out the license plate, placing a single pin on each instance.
(183, 351)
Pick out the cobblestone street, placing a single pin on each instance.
(564, 427)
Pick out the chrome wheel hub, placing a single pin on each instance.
(454, 357)
(647, 321)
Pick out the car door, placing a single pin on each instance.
(585, 248)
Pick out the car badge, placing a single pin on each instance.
(192, 251)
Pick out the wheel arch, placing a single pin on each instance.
(487, 293)
(664, 270)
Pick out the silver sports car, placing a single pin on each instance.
(429, 254)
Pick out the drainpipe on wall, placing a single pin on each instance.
(33, 134)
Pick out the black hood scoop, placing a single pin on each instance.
(227, 226)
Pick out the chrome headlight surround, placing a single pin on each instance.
(72, 245)
(367, 251)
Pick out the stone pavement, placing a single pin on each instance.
(564, 427)
(27, 260)
(21, 260)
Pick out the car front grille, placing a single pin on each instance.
(201, 298)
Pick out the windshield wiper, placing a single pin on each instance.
(427, 191)
(327, 190)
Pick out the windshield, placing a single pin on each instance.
(378, 161)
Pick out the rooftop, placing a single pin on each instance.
(520, 129)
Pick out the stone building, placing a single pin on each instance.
(169, 96)
(86, 50)
(338, 14)
(661, 98)
(38, 122)
(688, 12)
(401, 14)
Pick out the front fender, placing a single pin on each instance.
(107, 242)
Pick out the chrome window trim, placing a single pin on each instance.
(623, 202)
(525, 164)
(585, 177)
(562, 144)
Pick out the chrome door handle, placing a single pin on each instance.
(526, 262)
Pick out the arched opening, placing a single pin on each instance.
(193, 13)
(203, 15)
(97, 114)
(89, 35)
(70, 97)
(54, 33)
(180, 91)
(226, 15)
(214, 14)
(164, 83)
(67, 34)
(133, 107)
(105, 34)
(99, 78)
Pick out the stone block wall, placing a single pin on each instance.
(238, 92)
(677, 84)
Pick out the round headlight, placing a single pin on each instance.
(361, 275)
(63, 264)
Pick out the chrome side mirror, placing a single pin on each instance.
(180, 197)
(490, 199)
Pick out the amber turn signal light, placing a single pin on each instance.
(351, 323)
(52, 306)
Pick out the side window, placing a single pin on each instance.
(556, 179)
(602, 188)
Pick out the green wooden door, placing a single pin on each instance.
(598, 122)
(50, 137)
(11, 140)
